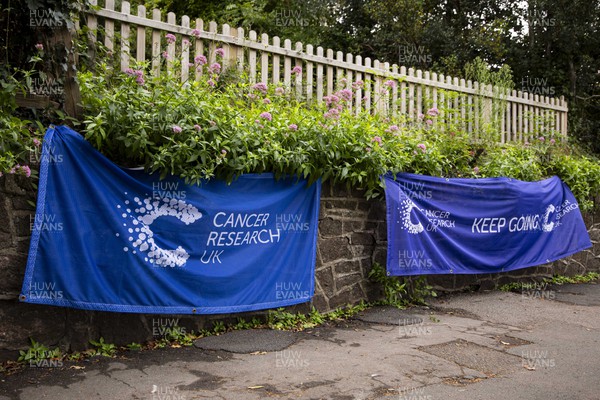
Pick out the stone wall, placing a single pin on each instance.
(352, 236)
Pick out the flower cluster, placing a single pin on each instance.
(138, 73)
(21, 170)
(266, 115)
(170, 38)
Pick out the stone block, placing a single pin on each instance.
(330, 227)
(341, 190)
(380, 254)
(124, 328)
(353, 226)
(21, 321)
(337, 204)
(326, 189)
(23, 203)
(347, 267)
(363, 205)
(349, 296)
(5, 215)
(362, 238)
(365, 266)
(336, 248)
(320, 303)
(12, 267)
(23, 224)
(325, 278)
(377, 211)
(345, 281)
(593, 263)
(6, 240)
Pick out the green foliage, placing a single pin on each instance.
(38, 352)
(284, 320)
(555, 280)
(103, 349)
(219, 327)
(134, 346)
(401, 292)
(586, 278)
(394, 290)
(222, 126)
(16, 139)
(581, 174)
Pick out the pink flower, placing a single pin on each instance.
(223, 152)
(552, 141)
(266, 115)
(333, 113)
(429, 122)
(185, 42)
(261, 87)
(421, 116)
(176, 129)
(358, 85)
(201, 60)
(476, 170)
(197, 127)
(293, 127)
(433, 112)
(267, 101)
(140, 80)
(376, 139)
(279, 91)
(214, 68)
(196, 32)
(297, 70)
(331, 100)
(129, 71)
(39, 47)
(393, 128)
(212, 123)
(220, 52)
(346, 94)
(21, 169)
(368, 149)
(36, 142)
(390, 84)
(211, 83)
(170, 38)
(165, 55)
(542, 139)
(422, 147)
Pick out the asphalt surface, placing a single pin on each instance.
(542, 344)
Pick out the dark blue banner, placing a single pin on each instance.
(474, 226)
(113, 239)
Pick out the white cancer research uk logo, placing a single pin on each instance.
(548, 227)
(406, 207)
(141, 237)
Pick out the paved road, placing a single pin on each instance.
(537, 345)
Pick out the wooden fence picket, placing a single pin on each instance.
(311, 74)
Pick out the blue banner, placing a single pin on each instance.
(475, 226)
(113, 239)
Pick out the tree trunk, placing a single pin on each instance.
(63, 37)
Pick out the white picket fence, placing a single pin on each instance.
(463, 104)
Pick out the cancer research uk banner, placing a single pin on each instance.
(112, 239)
(473, 226)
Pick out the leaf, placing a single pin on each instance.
(255, 387)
